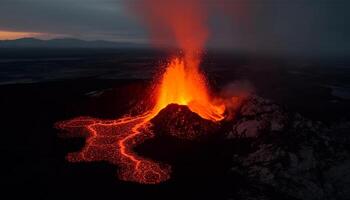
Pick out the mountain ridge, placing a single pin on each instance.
(65, 43)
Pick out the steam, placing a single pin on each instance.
(234, 94)
(240, 88)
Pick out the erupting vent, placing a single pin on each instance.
(187, 86)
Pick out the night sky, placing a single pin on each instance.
(291, 26)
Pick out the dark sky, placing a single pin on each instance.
(292, 26)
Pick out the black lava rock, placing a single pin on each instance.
(289, 156)
(179, 121)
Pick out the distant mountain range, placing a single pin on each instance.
(65, 43)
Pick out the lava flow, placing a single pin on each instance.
(113, 140)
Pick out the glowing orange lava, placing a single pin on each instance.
(113, 140)
(187, 86)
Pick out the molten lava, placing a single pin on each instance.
(113, 140)
(187, 86)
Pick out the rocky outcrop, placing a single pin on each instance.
(257, 116)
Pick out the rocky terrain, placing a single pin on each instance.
(289, 156)
(285, 155)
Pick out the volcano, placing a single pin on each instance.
(181, 83)
(183, 108)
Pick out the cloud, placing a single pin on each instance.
(291, 26)
(80, 18)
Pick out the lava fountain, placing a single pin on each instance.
(187, 86)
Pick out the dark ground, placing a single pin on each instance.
(41, 87)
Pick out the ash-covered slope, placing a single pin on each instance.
(179, 121)
(288, 155)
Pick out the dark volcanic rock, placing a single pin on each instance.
(258, 116)
(290, 156)
(179, 121)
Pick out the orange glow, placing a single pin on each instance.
(187, 86)
(10, 35)
(112, 141)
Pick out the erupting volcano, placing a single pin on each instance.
(181, 83)
(113, 140)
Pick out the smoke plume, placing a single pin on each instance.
(181, 21)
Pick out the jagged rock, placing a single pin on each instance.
(179, 121)
(294, 157)
(258, 116)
